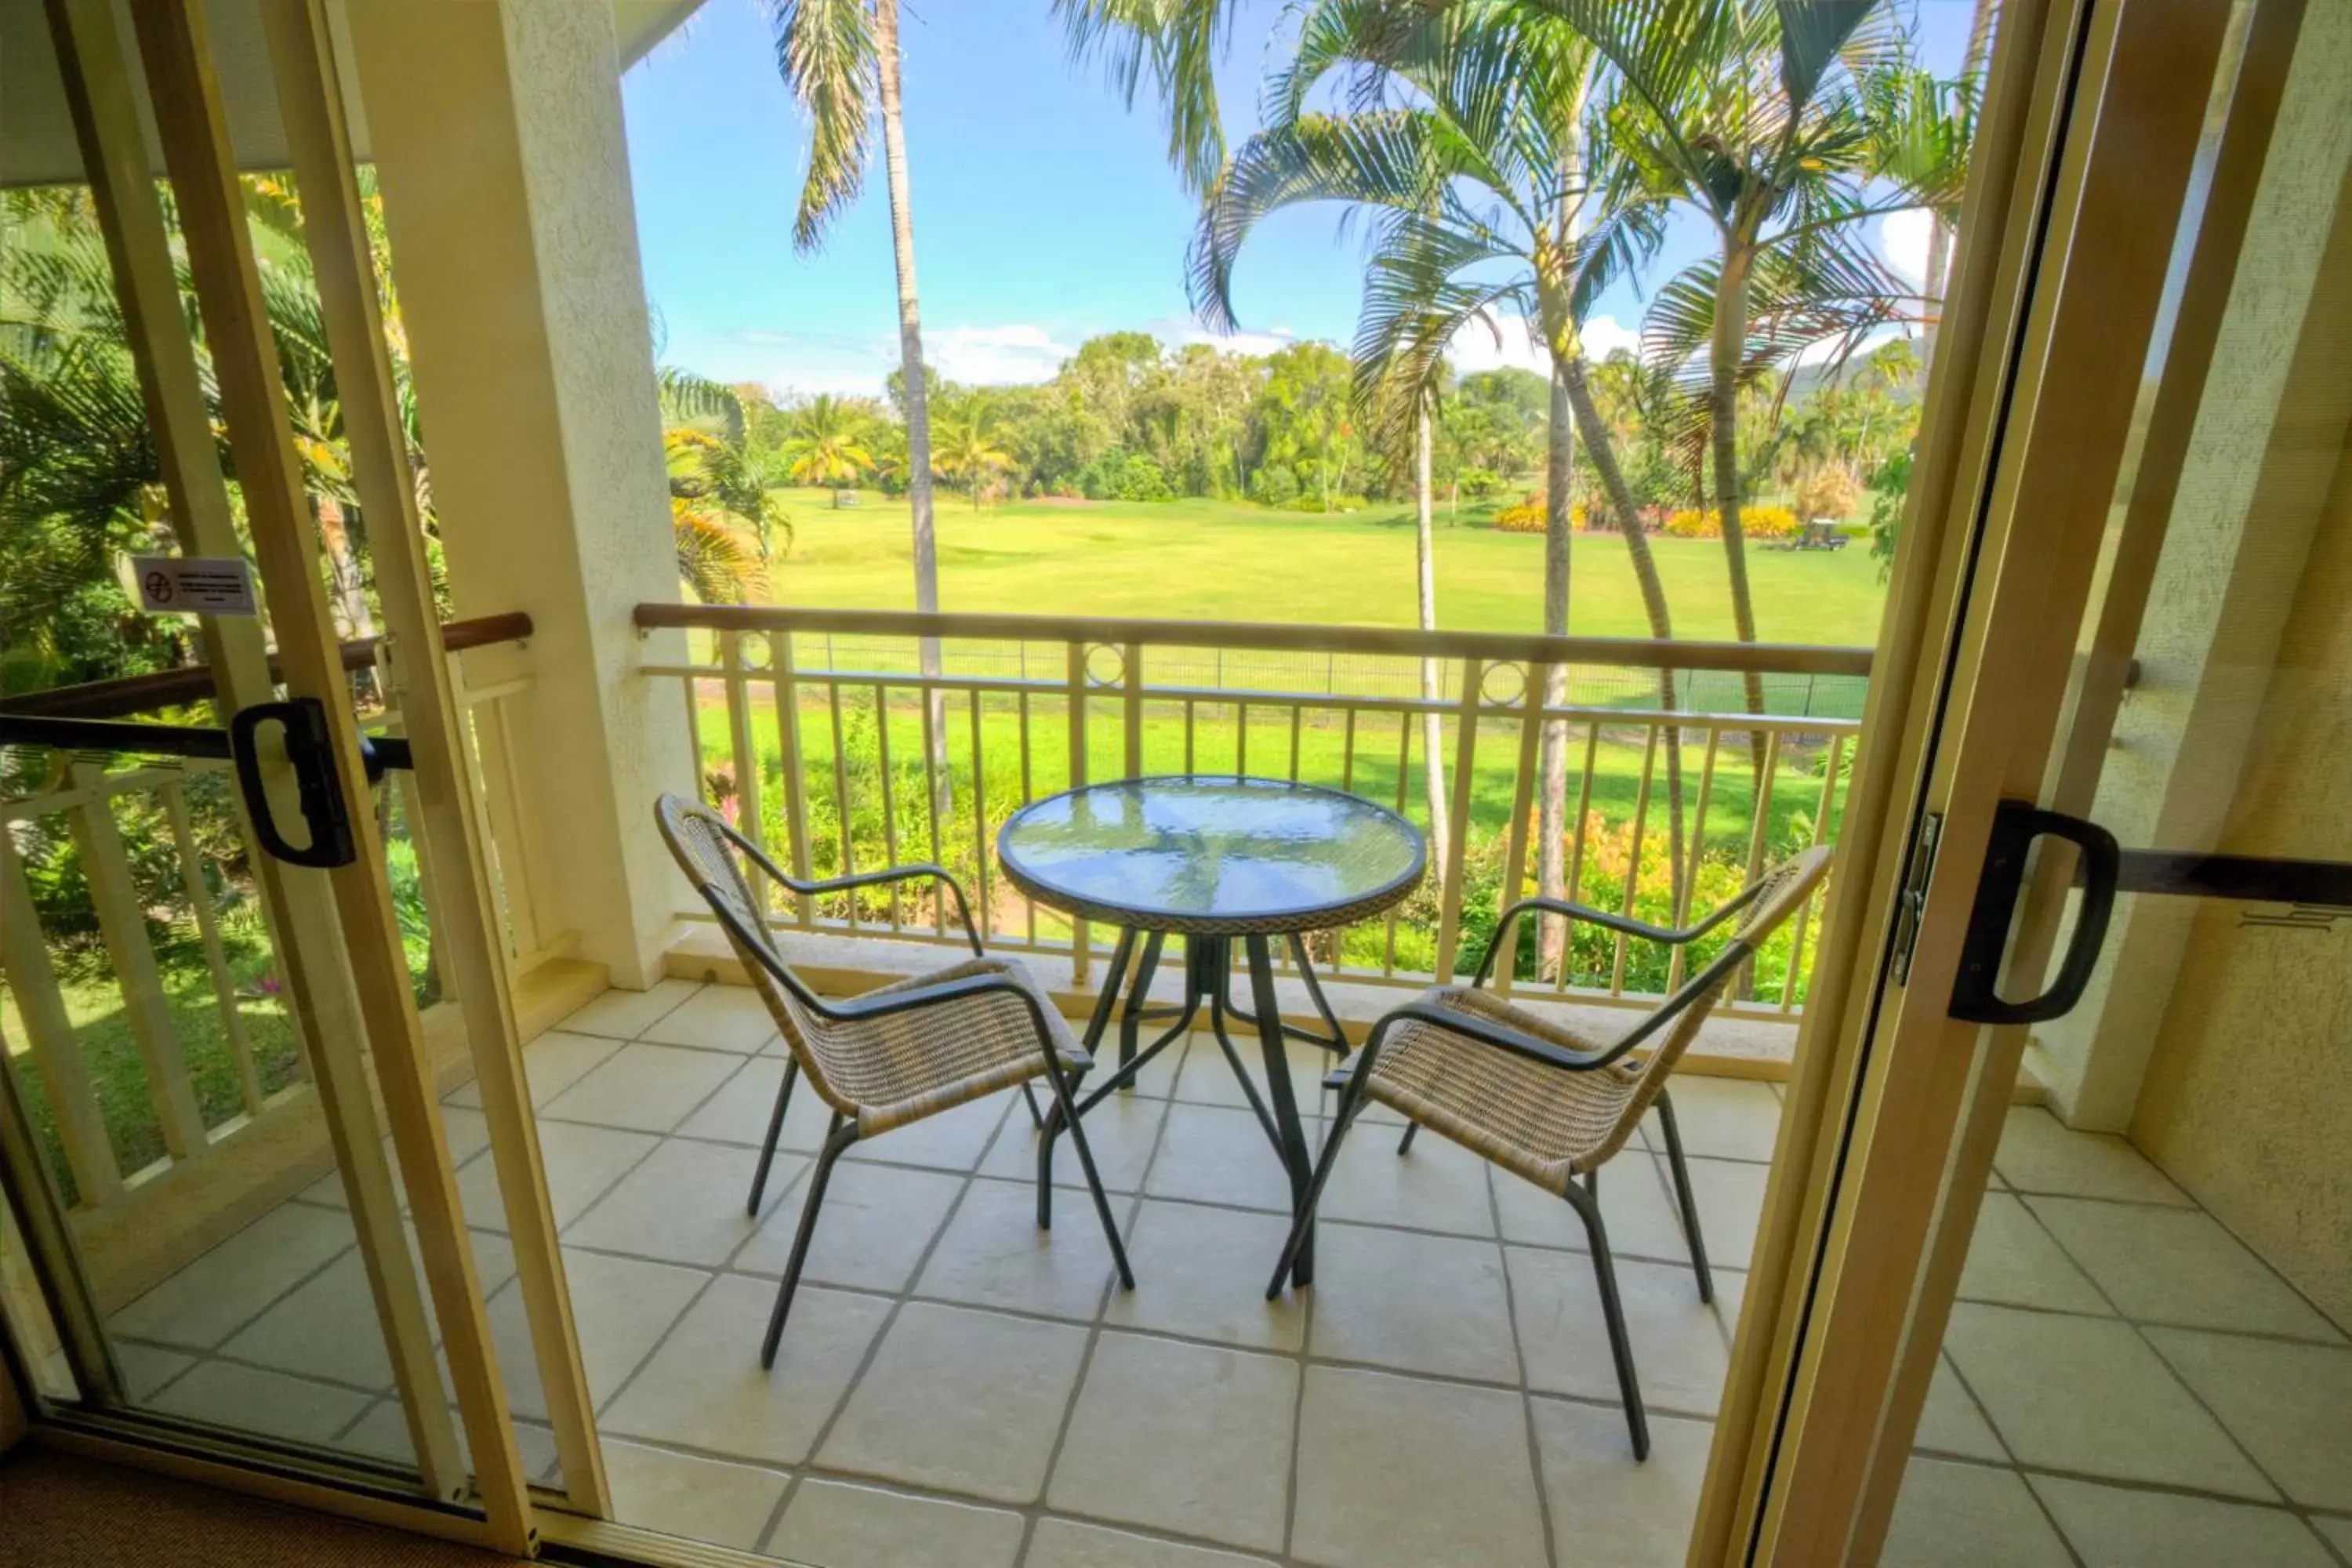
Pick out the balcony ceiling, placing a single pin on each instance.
(37, 141)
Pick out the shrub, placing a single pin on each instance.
(1274, 485)
(1527, 516)
(1121, 474)
(1758, 521)
(1828, 492)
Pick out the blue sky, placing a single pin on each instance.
(1044, 210)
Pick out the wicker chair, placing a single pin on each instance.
(1545, 1103)
(894, 1055)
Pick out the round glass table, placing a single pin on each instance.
(1215, 860)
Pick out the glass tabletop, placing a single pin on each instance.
(1213, 855)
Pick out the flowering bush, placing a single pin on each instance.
(1527, 516)
(1757, 522)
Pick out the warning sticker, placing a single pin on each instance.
(194, 585)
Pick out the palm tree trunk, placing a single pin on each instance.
(1619, 495)
(1551, 858)
(1425, 565)
(1729, 339)
(343, 568)
(919, 395)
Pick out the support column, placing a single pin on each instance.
(498, 143)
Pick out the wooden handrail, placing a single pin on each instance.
(132, 694)
(1776, 658)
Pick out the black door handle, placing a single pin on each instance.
(310, 748)
(2016, 824)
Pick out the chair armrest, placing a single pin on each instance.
(867, 879)
(963, 988)
(1629, 927)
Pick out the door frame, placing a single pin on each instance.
(2098, 109)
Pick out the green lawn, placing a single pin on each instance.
(1212, 560)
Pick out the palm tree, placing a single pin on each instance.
(968, 453)
(725, 522)
(1488, 190)
(1784, 125)
(826, 445)
(840, 58)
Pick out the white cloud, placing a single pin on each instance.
(995, 356)
(1510, 340)
(1902, 241)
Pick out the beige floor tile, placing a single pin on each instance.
(1730, 1118)
(1635, 1204)
(1155, 1079)
(250, 1399)
(875, 1222)
(2039, 1154)
(1731, 1195)
(738, 1112)
(1950, 1515)
(700, 1500)
(2339, 1530)
(1678, 1347)
(1066, 1543)
(2087, 1395)
(963, 1400)
(467, 1131)
(581, 1164)
(1202, 1272)
(704, 1388)
(2290, 1404)
(832, 1525)
(2178, 1265)
(951, 1141)
(685, 1204)
(1208, 1077)
(1440, 1185)
(2113, 1527)
(1605, 1507)
(147, 1368)
(1122, 1131)
(327, 1329)
(993, 1255)
(213, 1297)
(625, 1014)
(621, 1308)
(1182, 1437)
(649, 1088)
(551, 1064)
(1398, 1472)
(717, 1018)
(1950, 1422)
(2012, 1260)
(1417, 1303)
(1216, 1155)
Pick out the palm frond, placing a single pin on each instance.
(825, 52)
(1177, 43)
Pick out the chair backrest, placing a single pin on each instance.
(1781, 892)
(709, 850)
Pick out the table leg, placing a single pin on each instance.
(1294, 1153)
(1131, 1019)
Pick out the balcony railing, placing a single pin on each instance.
(131, 924)
(821, 732)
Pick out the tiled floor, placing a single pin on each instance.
(2124, 1383)
(955, 1388)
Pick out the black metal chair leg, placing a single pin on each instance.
(838, 1137)
(1349, 1104)
(1051, 1130)
(1036, 1117)
(1094, 1182)
(1684, 1195)
(1613, 1310)
(1404, 1145)
(775, 1131)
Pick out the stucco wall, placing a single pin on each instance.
(2247, 1100)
